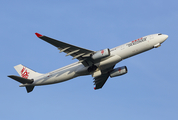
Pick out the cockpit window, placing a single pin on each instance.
(159, 34)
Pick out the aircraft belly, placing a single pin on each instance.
(64, 77)
(60, 77)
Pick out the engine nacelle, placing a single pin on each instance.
(101, 54)
(118, 71)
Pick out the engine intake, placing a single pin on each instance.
(118, 71)
(101, 54)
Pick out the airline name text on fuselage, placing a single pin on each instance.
(136, 42)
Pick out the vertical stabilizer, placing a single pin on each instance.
(26, 72)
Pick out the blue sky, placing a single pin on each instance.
(148, 91)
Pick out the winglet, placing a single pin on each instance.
(38, 35)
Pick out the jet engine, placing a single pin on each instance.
(101, 54)
(118, 71)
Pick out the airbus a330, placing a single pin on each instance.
(99, 64)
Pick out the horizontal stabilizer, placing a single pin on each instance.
(21, 80)
(29, 88)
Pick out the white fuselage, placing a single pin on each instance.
(117, 54)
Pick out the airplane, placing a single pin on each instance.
(100, 64)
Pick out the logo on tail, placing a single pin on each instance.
(24, 73)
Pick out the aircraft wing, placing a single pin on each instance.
(76, 52)
(100, 81)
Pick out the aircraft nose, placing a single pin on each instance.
(164, 37)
